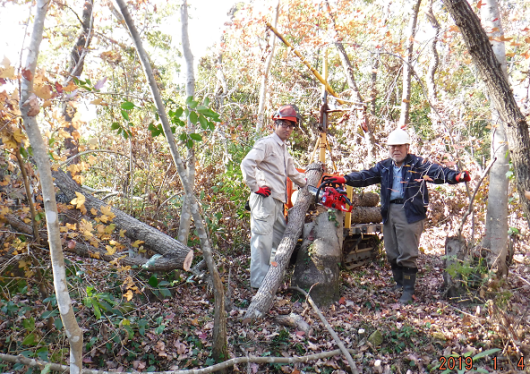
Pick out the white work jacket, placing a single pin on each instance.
(269, 164)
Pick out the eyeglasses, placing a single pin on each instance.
(285, 124)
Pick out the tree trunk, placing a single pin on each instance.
(262, 301)
(407, 67)
(265, 77)
(496, 236)
(75, 68)
(220, 345)
(434, 58)
(135, 230)
(185, 216)
(29, 108)
(500, 93)
(164, 263)
(318, 261)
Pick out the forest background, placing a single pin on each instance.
(392, 64)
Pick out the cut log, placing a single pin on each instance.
(262, 301)
(455, 254)
(368, 199)
(161, 263)
(364, 214)
(318, 262)
(134, 229)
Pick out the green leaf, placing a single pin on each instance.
(189, 143)
(23, 152)
(29, 324)
(193, 117)
(155, 130)
(165, 292)
(204, 122)
(46, 369)
(127, 105)
(183, 137)
(115, 126)
(211, 126)
(178, 112)
(489, 352)
(58, 324)
(29, 340)
(196, 137)
(193, 104)
(153, 281)
(125, 115)
(42, 353)
(97, 311)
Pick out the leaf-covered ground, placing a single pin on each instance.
(155, 331)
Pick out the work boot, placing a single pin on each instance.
(397, 273)
(409, 280)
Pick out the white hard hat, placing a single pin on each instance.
(398, 137)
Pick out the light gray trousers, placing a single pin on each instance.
(267, 225)
(401, 238)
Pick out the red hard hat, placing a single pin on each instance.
(288, 112)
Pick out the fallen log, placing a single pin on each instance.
(364, 214)
(262, 301)
(159, 242)
(161, 263)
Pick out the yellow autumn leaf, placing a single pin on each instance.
(4, 210)
(104, 218)
(63, 229)
(19, 135)
(109, 229)
(98, 101)
(93, 211)
(137, 243)
(8, 73)
(43, 91)
(122, 233)
(129, 295)
(72, 226)
(79, 201)
(106, 210)
(110, 250)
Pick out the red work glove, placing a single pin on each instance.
(338, 180)
(264, 191)
(463, 176)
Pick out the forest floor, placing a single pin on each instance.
(172, 333)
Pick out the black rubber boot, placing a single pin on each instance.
(397, 273)
(409, 280)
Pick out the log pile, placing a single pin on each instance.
(366, 209)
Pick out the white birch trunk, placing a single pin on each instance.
(185, 216)
(414, 6)
(29, 107)
(265, 77)
(220, 349)
(496, 236)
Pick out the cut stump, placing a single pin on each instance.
(318, 262)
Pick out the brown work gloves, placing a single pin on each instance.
(463, 176)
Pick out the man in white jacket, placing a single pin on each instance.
(265, 171)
